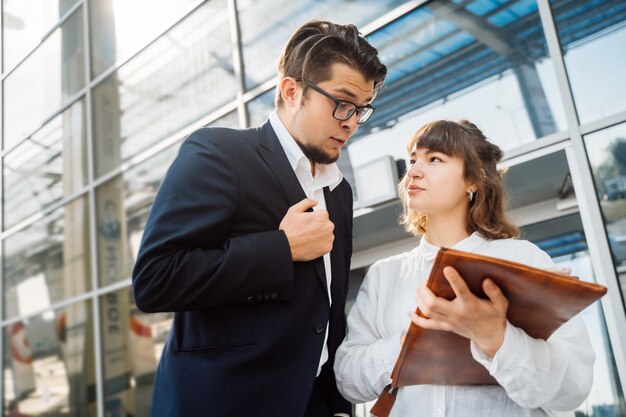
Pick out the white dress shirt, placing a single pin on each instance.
(326, 175)
(536, 377)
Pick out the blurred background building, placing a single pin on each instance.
(97, 96)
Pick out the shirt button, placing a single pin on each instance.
(319, 329)
(439, 411)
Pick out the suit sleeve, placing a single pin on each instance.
(187, 259)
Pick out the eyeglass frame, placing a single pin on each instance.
(339, 101)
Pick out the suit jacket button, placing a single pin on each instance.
(259, 297)
(250, 299)
(319, 329)
(266, 296)
(274, 295)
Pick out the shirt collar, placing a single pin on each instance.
(469, 244)
(326, 175)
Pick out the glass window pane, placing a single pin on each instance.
(120, 28)
(49, 364)
(592, 35)
(180, 78)
(260, 108)
(123, 205)
(39, 86)
(48, 261)
(606, 150)
(132, 343)
(564, 239)
(482, 61)
(25, 22)
(266, 27)
(46, 166)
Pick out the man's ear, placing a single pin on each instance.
(290, 91)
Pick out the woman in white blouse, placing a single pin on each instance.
(452, 195)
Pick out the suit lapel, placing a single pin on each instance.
(273, 154)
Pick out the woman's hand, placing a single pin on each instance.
(483, 321)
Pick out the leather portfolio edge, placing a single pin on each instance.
(512, 264)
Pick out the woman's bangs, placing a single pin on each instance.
(439, 138)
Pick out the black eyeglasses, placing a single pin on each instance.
(345, 109)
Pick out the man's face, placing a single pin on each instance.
(318, 133)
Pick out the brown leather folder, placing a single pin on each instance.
(540, 302)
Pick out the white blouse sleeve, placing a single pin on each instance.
(555, 374)
(365, 359)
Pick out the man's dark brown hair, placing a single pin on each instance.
(316, 45)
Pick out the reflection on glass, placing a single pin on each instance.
(48, 261)
(606, 397)
(39, 86)
(260, 108)
(120, 28)
(564, 240)
(123, 205)
(607, 156)
(132, 343)
(46, 166)
(25, 22)
(266, 27)
(592, 34)
(49, 364)
(482, 61)
(183, 76)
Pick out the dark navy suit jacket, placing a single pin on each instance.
(249, 323)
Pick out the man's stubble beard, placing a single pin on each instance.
(316, 154)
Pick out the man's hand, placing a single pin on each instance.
(483, 321)
(310, 234)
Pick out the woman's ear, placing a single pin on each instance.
(289, 91)
(470, 186)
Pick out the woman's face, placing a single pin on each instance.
(435, 185)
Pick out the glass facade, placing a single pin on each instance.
(135, 109)
(48, 261)
(48, 165)
(590, 33)
(482, 61)
(115, 35)
(48, 364)
(44, 81)
(607, 156)
(25, 23)
(266, 27)
(97, 96)
(132, 343)
(564, 240)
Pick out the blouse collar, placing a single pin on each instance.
(469, 244)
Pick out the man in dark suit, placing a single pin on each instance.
(249, 243)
